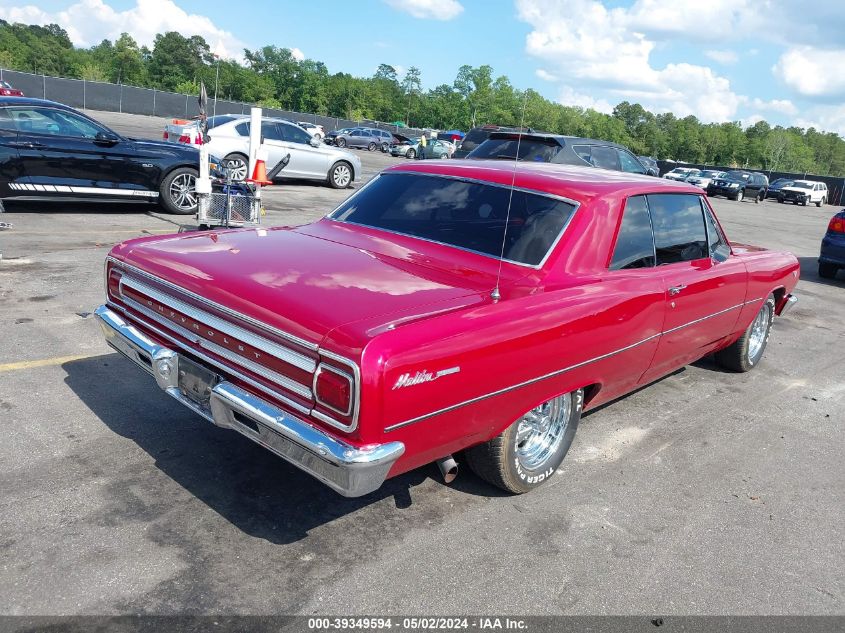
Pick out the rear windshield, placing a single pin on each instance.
(511, 148)
(467, 215)
(738, 175)
(220, 119)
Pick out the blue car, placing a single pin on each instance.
(832, 255)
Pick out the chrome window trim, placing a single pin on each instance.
(237, 315)
(558, 372)
(234, 372)
(334, 370)
(576, 205)
(277, 351)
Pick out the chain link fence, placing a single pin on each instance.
(109, 97)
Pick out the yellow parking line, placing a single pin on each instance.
(44, 362)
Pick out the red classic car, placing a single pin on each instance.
(445, 306)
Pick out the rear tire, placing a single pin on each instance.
(238, 166)
(530, 450)
(745, 354)
(820, 202)
(739, 195)
(371, 147)
(341, 175)
(411, 153)
(178, 191)
(828, 271)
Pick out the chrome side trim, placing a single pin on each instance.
(552, 374)
(575, 204)
(277, 351)
(530, 381)
(228, 311)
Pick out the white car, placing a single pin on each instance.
(680, 173)
(804, 191)
(703, 178)
(313, 129)
(310, 159)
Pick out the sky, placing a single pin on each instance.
(720, 60)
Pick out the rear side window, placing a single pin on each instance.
(6, 122)
(242, 129)
(629, 163)
(512, 148)
(679, 233)
(635, 242)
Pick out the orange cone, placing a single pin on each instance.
(259, 174)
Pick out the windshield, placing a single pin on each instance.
(467, 215)
(802, 185)
(511, 148)
(710, 174)
(738, 175)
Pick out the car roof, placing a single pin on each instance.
(562, 139)
(33, 101)
(569, 181)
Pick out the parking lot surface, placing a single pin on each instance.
(707, 492)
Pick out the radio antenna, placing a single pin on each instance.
(496, 295)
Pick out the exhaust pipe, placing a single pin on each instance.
(448, 468)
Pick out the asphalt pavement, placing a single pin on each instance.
(707, 492)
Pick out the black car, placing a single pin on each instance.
(650, 164)
(776, 185)
(49, 151)
(554, 148)
(477, 135)
(738, 185)
(832, 254)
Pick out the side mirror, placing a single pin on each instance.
(105, 138)
(314, 142)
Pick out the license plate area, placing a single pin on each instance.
(196, 382)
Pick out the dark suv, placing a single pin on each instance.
(738, 185)
(477, 135)
(554, 148)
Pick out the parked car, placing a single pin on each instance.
(310, 159)
(391, 334)
(704, 177)
(406, 147)
(433, 149)
(449, 145)
(384, 137)
(477, 135)
(679, 173)
(554, 148)
(737, 185)
(7, 90)
(652, 168)
(313, 129)
(360, 138)
(804, 191)
(49, 151)
(832, 254)
(776, 185)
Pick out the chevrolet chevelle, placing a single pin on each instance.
(446, 306)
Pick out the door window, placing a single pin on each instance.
(270, 130)
(679, 233)
(605, 157)
(54, 123)
(6, 122)
(242, 129)
(718, 245)
(293, 134)
(635, 242)
(629, 163)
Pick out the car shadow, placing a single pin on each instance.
(241, 481)
(69, 206)
(810, 273)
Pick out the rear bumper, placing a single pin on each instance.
(832, 250)
(786, 304)
(352, 471)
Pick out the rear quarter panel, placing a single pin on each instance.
(769, 272)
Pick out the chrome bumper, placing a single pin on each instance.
(349, 470)
(787, 304)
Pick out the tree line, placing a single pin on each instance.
(272, 77)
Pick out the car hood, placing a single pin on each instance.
(180, 150)
(306, 282)
(796, 190)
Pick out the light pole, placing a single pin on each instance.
(216, 82)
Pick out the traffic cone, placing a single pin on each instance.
(259, 174)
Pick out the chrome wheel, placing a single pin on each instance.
(237, 168)
(342, 176)
(183, 192)
(759, 331)
(541, 430)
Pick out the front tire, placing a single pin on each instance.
(340, 175)
(828, 271)
(530, 450)
(745, 354)
(371, 147)
(411, 153)
(340, 142)
(178, 191)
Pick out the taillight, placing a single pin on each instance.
(113, 282)
(185, 139)
(333, 389)
(5, 91)
(165, 136)
(837, 225)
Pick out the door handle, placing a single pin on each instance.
(673, 290)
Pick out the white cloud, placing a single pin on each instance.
(297, 54)
(569, 97)
(429, 9)
(812, 72)
(545, 75)
(782, 106)
(88, 22)
(830, 118)
(585, 41)
(723, 57)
